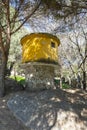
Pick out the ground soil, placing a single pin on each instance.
(9, 122)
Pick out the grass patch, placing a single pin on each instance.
(19, 79)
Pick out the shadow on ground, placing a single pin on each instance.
(51, 109)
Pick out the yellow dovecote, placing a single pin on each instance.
(40, 47)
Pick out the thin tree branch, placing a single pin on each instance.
(70, 64)
(16, 13)
(82, 62)
(77, 44)
(85, 35)
(27, 17)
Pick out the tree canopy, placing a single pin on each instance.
(51, 13)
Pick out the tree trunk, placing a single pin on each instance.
(84, 80)
(2, 67)
(2, 89)
(2, 77)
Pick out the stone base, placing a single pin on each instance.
(39, 77)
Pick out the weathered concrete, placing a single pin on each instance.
(39, 76)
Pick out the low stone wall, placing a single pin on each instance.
(39, 77)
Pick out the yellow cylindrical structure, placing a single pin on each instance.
(42, 47)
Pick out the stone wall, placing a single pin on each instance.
(39, 77)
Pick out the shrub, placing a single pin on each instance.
(65, 86)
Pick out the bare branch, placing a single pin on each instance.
(77, 44)
(27, 17)
(70, 64)
(82, 62)
(15, 16)
(85, 36)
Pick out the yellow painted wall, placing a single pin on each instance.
(38, 47)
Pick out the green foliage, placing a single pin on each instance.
(19, 79)
(65, 86)
(56, 81)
